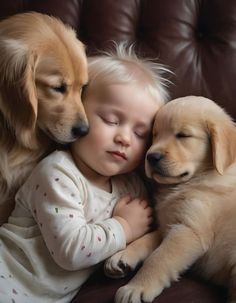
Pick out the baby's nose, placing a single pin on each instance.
(123, 138)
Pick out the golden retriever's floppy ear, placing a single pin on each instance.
(223, 141)
(18, 99)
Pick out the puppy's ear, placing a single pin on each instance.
(18, 100)
(223, 141)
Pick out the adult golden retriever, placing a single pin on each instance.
(43, 68)
(193, 160)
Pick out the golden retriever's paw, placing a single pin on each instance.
(135, 294)
(120, 264)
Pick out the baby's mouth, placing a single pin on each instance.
(118, 154)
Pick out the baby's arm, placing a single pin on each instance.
(57, 205)
(134, 215)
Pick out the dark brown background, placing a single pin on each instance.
(196, 39)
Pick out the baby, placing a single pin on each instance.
(81, 206)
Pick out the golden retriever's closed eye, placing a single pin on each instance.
(43, 69)
(193, 163)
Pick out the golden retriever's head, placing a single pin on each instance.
(190, 135)
(43, 69)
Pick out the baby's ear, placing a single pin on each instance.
(223, 142)
(19, 99)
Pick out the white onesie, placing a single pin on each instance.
(60, 229)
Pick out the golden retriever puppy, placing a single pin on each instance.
(43, 69)
(193, 162)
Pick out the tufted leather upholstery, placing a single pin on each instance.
(196, 39)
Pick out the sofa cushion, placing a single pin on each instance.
(189, 289)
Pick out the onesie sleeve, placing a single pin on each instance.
(57, 202)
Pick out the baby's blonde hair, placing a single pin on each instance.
(122, 66)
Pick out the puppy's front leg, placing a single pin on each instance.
(124, 261)
(179, 249)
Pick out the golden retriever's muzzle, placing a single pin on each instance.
(154, 162)
(62, 135)
(79, 130)
(157, 164)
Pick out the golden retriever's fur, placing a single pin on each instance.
(193, 160)
(43, 68)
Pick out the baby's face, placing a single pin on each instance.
(120, 118)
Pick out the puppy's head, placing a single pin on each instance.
(43, 70)
(190, 135)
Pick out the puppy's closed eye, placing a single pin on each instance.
(60, 88)
(182, 135)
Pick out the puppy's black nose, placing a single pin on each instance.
(79, 130)
(154, 158)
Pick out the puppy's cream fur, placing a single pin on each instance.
(43, 68)
(193, 162)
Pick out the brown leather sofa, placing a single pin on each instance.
(196, 39)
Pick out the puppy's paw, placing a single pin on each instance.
(120, 264)
(135, 294)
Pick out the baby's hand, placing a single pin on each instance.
(135, 216)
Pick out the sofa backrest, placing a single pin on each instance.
(196, 39)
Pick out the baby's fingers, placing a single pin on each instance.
(149, 215)
(149, 211)
(144, 203)
(124, 200)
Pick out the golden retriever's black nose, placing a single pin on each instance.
(79, 130)
(154, 158)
